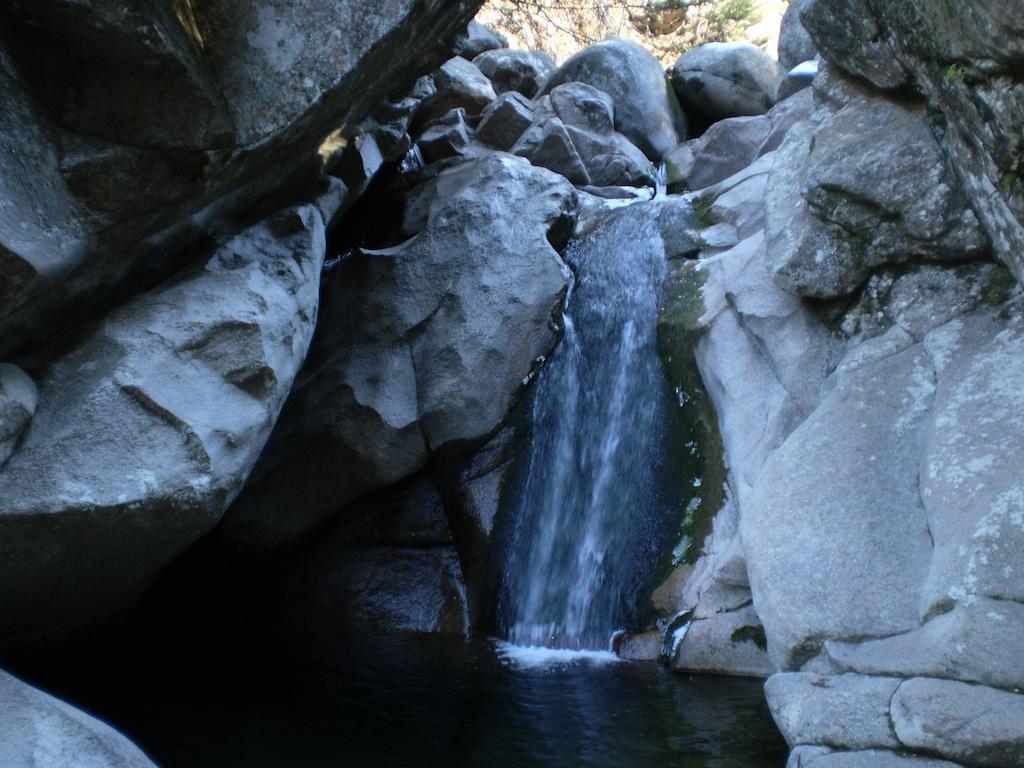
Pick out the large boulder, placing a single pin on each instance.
(866, 186)
(720, 80)
(148, 428)
(158, 126)
(18, 400)
(645, 108)
(476, 39)
(458, 84)
(420, 347)
(504, 120)
(388, 565)
(968, 723)
(964, 58)
(39, 731)
(795, 43)
(847, 711)
(573, 134)
(868, 439)
(725, 149)
(522, 71)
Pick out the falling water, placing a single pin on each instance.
(586, 508)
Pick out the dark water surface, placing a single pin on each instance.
(426, 702)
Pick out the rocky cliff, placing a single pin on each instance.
(263, 288)
(860, 344)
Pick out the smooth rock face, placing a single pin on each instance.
(39, 731)
(822, 757)
(521, 71)
(419, 347)
(795, 44)
(721, 80)
(797, 79)
(148, 428)
(726, 148)
(18, 400)
(847, 711)
(726, 643)
(872, 169)
(646, 110)
(865, 546)
(168, 124)
(969, 723)
(976, 642)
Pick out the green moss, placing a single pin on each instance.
(703, 209)
(752, 633)
(1009, 183)
(954, 73)
(696, 445)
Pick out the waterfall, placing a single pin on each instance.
(586, 507)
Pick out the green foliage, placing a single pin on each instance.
(752, 634)
(666, 27)
(954, 73)
(703, 210)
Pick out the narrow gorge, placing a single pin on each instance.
(380, 387)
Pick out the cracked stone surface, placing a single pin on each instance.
(419, 347)
(147, 429)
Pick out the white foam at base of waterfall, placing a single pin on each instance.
(539, 658)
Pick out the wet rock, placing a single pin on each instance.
(473, 491)
(459, 84)
(646, 111)
(795, 44)
(40, 731)
(721, 80)
(18, 400)
(476, 39)
(505, 120)
(645, 646)
(521, 71)
(972, 724)
(725, 643)
(846, 711)
(455, 319)
(147, 429)
(726, 148)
